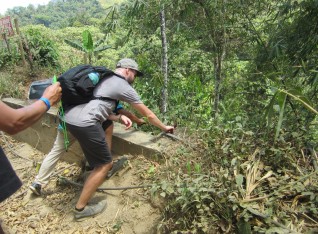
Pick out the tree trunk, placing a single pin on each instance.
(4, 36)
(16, 22)
(218, 81)
(164, 90)
(220, 47)
(27, 50)
(218, 60)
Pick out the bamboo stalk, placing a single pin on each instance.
(298, 99)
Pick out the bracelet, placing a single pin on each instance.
(46, 101)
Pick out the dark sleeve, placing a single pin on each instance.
(9, 181)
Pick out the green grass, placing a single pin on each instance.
(9, 86)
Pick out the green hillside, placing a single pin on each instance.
(62, 13)
(108, 3)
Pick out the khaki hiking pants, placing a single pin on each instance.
(52, 158)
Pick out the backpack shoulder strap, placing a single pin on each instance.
(104, 99)
(103, 71)
(119, 76)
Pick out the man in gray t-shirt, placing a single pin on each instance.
(114, 87)
(84, 122)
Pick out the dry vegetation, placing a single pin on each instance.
(127, 211)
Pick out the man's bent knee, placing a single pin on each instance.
(104, 167)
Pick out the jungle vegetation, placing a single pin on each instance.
(240, 80)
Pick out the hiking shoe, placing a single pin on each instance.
(88, 167)
(119, 164)
(85, 166)
(36, 188)
(90, 210)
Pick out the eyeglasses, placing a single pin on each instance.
(134, 71)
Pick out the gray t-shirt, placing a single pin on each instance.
(90, 113)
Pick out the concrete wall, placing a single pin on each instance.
(42, 135)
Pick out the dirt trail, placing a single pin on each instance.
(128, 211)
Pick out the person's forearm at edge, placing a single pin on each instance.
(13, 120)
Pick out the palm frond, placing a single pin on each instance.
(74, 45)
(101, 48)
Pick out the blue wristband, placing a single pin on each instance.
(46, 101)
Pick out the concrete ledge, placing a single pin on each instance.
(41, 136)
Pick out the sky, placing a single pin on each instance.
(4, 5)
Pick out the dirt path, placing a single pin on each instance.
(128, 211)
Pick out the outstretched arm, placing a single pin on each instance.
(13, 121)
(152, 118)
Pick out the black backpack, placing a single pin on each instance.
(77, 87)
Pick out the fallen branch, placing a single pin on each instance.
(66, 181)
(63, 169)
(265, 216)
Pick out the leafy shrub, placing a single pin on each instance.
(193, 201)
(7, 58)
(42, 48)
